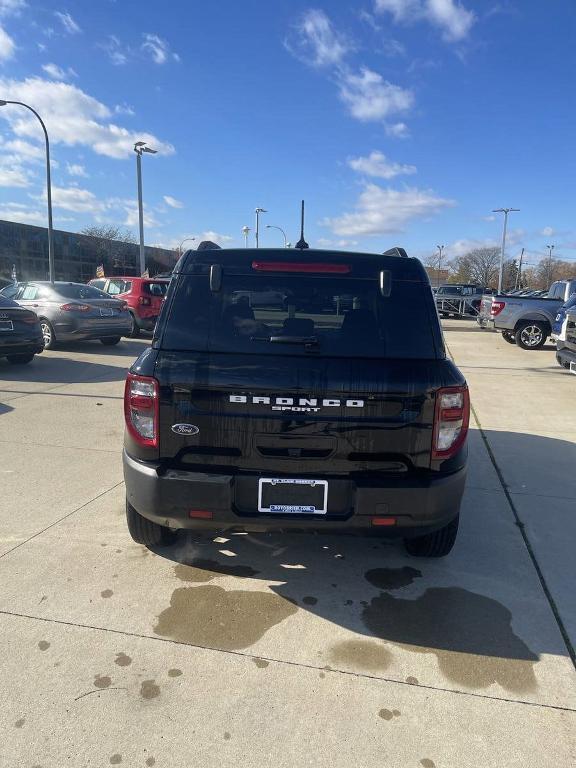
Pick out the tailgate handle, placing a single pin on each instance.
(215, 278)
(385, 283)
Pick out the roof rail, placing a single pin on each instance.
(396, 251)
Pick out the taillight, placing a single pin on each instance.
(141, 409)
(146, 301)
(75, 307)
(451, 418)
(29, 318)
(497, 307)
(289, 266)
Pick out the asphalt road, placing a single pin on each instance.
(285, 650)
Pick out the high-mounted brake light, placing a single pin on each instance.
(451, 418)
(141, 400)
(497, 307)
(289, 266)
(71, 307)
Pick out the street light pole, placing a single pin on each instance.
(186, 240)
(139, 148)
(440, 251)
(505, 211)
(258, 211)
(273, 226)
(51, 270)
(245, 232)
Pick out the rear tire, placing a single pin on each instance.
(111, 341)
(135, 330)
(436, 544)
(20, 359)
(532, 334)
(47, 333)
(509, 337)
(144, 531)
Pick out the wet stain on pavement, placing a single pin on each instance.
(385, 714)
(366, 654)
(261, 663)
(392, 578)
(470, 634)
(309, 600)
(43, 645)
(150, 762)
(227, 736)
(213, 617)
(174, 672)
(106, 593)
(322, 675)
(412, 680)
(199, 570)
(19, 723)
(116, 759)
(396, 712)
(149, 689)
(426, 763)
(122, 660)
(102, 681)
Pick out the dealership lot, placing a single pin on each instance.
(285, 650)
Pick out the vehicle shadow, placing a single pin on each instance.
(452, 608)
(49, 368)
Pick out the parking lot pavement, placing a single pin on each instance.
(264, 650)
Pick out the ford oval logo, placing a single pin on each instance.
(185, 429)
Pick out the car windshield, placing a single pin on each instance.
(76, 291)
(450, 290)
(297, 314)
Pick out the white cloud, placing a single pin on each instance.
(70, 26)
(371, 98)
(13, 176)
(382, 211)
(23, 150)
(547, 232)
(117, 52)
(124, 109)
(22, 214)
(172, 202)
(72, 117)
(7, 46)
(325, 242)
(57, 73)
(397, 130)
(11, 7)
(158, 49)
(75, 169)
(76, 199)
(452, 18)
(316, 42)
(377, 164)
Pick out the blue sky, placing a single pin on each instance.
(401, 122)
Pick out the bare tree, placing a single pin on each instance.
(109, 244)
(479, 266)
(548, 270)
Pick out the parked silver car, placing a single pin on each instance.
(72, 311)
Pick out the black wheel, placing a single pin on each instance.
(532, 334)
(144, 531)
(563, 363)
(110, 341)
(20, 359)
(436, 544)
(135, 330)
(47, 333)
(509, 337)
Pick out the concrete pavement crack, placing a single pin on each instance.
(284, 662)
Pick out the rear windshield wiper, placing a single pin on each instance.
(307, 341)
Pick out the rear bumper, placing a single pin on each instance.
(146, 323)
(22, 348)
(419, 506)
(76, 329)
(565, 357)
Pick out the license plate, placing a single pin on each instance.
(572, 367)
(293, 497)
(6, 325)
(106, 312)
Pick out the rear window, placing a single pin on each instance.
(155, 289)
(301, 314)
(74, 291)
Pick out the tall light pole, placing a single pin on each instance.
(51, 270)
(245, 231)
(139, 148)
(273, 226)
(505, 211)
(186, 240)
(550, 249)
(258, 211)
(440, 251)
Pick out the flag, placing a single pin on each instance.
(146, 273)
(14, 277)
(100, 270)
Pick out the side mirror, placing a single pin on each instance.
(385, 283)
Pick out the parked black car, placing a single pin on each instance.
(302, 412)
(20, 333)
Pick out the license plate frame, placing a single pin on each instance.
(106, 312)
(6, 326)
(292, 509)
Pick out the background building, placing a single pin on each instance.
(76, 256)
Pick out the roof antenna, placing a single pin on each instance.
(302, 244)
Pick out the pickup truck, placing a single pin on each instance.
(566, 346)
(459, 300)
(525, 320)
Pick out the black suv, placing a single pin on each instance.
(291, 390)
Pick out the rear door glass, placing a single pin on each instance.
(155, 289)
(301, 314)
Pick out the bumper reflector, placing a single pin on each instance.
(200, 514)
(383, 521)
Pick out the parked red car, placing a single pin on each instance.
(143, 295)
